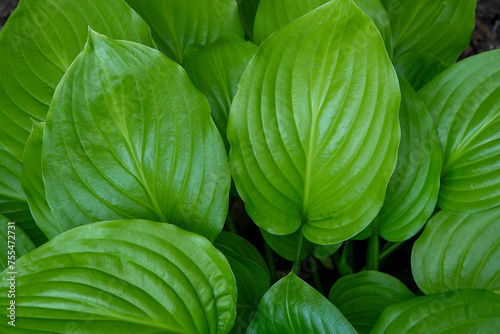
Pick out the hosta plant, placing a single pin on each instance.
(368, 162)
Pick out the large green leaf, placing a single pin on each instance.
(464, 102)
(286, 246)
(37, 45)
(129, 136)
(458, 251)
(32, 183)
(438, 27)
(251, 273)
(363, 296)
(123, 277)
(293, 306)
(275, 14)
(313, 128)
(177, 24)
(460, 311)
(412, 192)
(216, 69)
(14, 243)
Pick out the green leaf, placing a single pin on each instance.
(123, 277)
(293, 306)
(458, 251)
(37, 45)
(439, 27)
(460, 311)
(363, 296)
(216, 69)
(32, 183)
(464, 102)
(412, 192)
(129, 136)
(286, 246)
(13, 239)
(314, 138)
(248, 10)
(418, 68)
(272, 15)
(177, 24)
(251, 273)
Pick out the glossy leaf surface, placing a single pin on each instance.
(460, 311)
(412, 192)
(216, 69)
(37, 45)
(458, 251)
(251, 273)
(363, 296)
(32, 183)
(125, 276)
(13, 241)
(312, 137)
(293, 306)
(177, 24)
(129, 136)
(464, 102)
(418, 68)
(438, 27)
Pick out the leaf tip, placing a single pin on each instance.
(92, 37)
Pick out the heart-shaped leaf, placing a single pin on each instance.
(251, 273)
(363, 296)
(129, 136)
(123, 277)
(412, 192)
(293, 306)
(312, 136)
(216, 69)
(439, 27)
(177, 24)
(464, 102)
(14, 243)
(37, 45)
(460, 311)
(272, 15)
(32, 183)
(458, 251)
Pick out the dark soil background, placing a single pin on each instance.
(486, 36)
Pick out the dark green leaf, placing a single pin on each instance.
(13, 241)
(248, 9)
(177, 24)
(458, 251)
(418, 68)
(362, 297)
(129, 136)
(292, 306)
(123, 277)
(313, 138)
(37, 45)
(464, 102)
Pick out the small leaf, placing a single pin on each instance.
(418, 68)
(32, 183)
(12, 239)
(438, 27)
(363, 296)
(123, 277)
(458, 251)
(313, 138)
(412, 192)
(252, 279)
(464, 102)
(460, 311)
(177, 24)
(129, 136)
(216, 69)
(286, 246)
(37, 45)
(293, 306)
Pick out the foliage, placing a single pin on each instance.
(344, 126)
